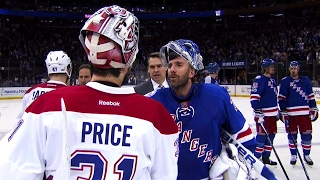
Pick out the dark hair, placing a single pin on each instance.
(153, 55)
(85, 66)
(115, 72)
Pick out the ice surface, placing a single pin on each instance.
(10, 108)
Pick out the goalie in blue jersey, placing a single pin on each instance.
(200, 111)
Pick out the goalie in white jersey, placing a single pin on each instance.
(111, 132)
(59, 69)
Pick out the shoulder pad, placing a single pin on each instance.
(258, 77)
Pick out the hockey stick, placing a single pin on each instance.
(240, 161)
(274, 150)
(63, 170)
(295, 145)
(247, 155)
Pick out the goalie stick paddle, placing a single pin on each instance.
(248, 156)
(63, 170)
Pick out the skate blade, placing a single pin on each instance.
(308, 164)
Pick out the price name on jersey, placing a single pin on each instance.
(107, 134)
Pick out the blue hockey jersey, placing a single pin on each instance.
(264, 94)
(199, 117)
(296, 95)
(209, 80)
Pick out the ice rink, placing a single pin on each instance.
(10, 108)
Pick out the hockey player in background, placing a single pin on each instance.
(213, 70)
(298, 109)
(59, 69)
(113, 133)
(200, 111)
(264, 102)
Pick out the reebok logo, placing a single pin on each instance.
(109, 103)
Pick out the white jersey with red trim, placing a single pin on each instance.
(113, 133)
(35, 91)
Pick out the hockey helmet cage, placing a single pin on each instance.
(184, 48)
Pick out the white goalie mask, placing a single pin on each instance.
(110, 37)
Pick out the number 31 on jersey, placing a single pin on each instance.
(96, 164)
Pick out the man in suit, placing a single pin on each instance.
(157, 74)
(84, 74)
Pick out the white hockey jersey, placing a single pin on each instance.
(35, 91)
(113, 133)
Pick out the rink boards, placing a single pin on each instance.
(233, 90)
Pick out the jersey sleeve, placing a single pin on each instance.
(25, 103)
(283, 94)
(167, 147)
(311, 96)
(237, 125)
(256, 92)
(21, 152)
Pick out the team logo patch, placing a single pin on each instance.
(184, 104)
(255, 85)
(19, 124)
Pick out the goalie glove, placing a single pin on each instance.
(246, 171)
(258, 116)
(313, 114)
(224, 167)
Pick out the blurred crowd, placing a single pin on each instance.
(294, 35)
(142, 6)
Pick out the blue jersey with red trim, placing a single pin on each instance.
(199, 117)
(264, 94)
(296, 95)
